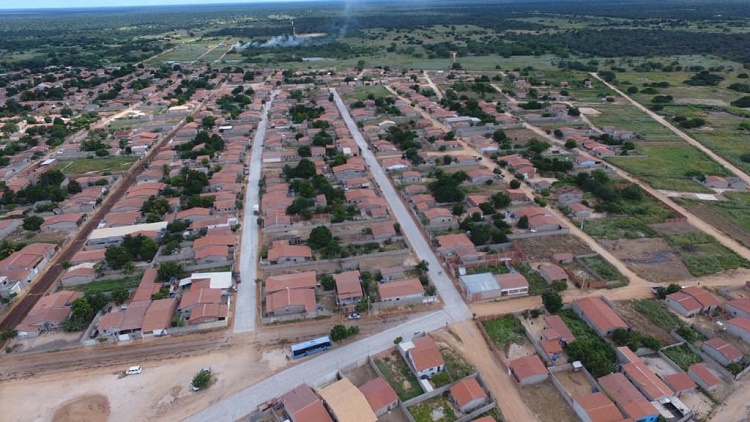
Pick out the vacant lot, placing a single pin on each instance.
(575, 383)
(398, 375)
(649, 316)
(106, 286)
(107, 164)
(546, 402)
(362, 92)
(703, 255)
(682, 356)
(542, 248)
(729, 216)
(436, 408)
(665, 166)
(505, 331)
(651, 258)
(604, 268)
(628, 117)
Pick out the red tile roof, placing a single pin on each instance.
(728, 350)
(701, 371)
(599, 408)
(680, 382)
(425, 354)
(528, 366)
(378, 393)
(600, 314)
(466, 391)
(400, 288)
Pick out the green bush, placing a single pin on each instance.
(202, 379)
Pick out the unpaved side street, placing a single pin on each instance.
(473, 347)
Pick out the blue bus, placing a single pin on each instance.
(309, 347)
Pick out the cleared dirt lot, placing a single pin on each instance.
(542, 248)
(546, 402)
(640, 323)
(651, 258)
(723, 224)
(160, 393)
(575, 383)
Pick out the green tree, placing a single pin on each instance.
(81, 310)
(32, 223)
(117, 257)
(167, 270)
(319, 237)
(570, 144)
(515, 184)
(458, 209)
(499, 136)
(622, 336)
(339, 332)
(523, 222)
(120, 295)
(304, 151)
(201, 380)
(552, 301)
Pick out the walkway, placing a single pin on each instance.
(245, 312)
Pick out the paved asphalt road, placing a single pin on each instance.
(321, 367)
(454, 305)
(245, 312)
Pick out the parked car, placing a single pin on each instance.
(134, 370)
(93, 333)
(354, 316)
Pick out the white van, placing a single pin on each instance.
(134, 370)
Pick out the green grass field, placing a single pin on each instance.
(604, 268)
(665, 166)
(657, 313)
(399, 376)
(362, 92)
(682, 356)
(736, 208)
(96, 164)
(504, 331)
(106, 286)
(703, 255)
(628, 117)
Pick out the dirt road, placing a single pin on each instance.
(726, 164)
(434, 87)
(474, 349)
(701, 225)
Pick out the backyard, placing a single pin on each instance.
(436, 408)
(604, 268)
(682, 356)
(398, 375)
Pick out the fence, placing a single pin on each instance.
(266, 266)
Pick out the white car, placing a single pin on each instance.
(353, 316)
(134, 370)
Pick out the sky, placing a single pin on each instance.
(65, 4)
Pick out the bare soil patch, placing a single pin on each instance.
(717, 220)
(546, 403)
(641, 323)
(542, 248)
(91, 408)
(652, 259)
(589, 111)
(673, 228)
(575, 383)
